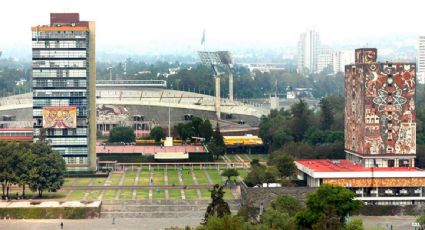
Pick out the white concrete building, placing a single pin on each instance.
(308, 52)
(340, 59)
(421, 60)
(325, 58)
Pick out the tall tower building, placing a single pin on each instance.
(340, 59)
(308, 52)
(325, 59)
(380, 127)
(64, 88)
(421, 60)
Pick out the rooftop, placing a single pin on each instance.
(148, 149)
(348, 166)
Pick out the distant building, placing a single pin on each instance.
(325, 59)
(308, 52)
(293, 93)
(64, 88)
(421, 60)
(340, 59)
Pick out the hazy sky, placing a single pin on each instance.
(178, 24)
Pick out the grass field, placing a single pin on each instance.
(129, 177)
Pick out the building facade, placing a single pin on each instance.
(380, 127)
(64, 85)
(421, 60)
(340, 59)
(325, 59)
(308, 52)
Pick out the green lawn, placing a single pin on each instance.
(158, 195)
(187, 177)
(201, 177)
(55, 195)
(84, 181)
(262, 157)
(174, 194)
(109, 195)
(158, 177)
(76, 195)
(215, 176)
(206, 194)
(191, 194)
(93, 194)
(144, 177)
(126, 194)
(69, 181)
(129, 178)
(173, 177)
(142, 194)
(231, 157)
(99, 181)
(115, 178)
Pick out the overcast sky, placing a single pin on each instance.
(167, 24)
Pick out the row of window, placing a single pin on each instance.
(59, 44)
(59, 93)
(59, 54)
(61, 83)
(62, 132)
(59, 73)
(60, 102)
(59, 63)
(76, 160)
(58, 34)
(67, 141)
(12, 133)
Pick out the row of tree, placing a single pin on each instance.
(34, 165)
(327, 208)
(305, 133)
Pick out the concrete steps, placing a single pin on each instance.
(158, 209)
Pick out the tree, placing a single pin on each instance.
(8, 162)
(327, 204)
(421, 218)
(47, 173)
(157, 134)
(327, 114)
(256, 176)
(229, 173)
(270, 175)
(205, 130)
(356, 224)
(274, 219)
(122, 134)
(301, 119)
(218, 207)
(288, 204)
(284, 163)
(227, 222)
(24, 166)
(216, 145)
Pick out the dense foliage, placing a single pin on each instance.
(34, 165)
(157, 134)
(122, 134)
(327, 208)
(303, 133)
(195, 128)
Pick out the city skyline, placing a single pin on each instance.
(175, 27)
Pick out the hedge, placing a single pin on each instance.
(50, 213)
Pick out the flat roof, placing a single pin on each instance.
(348, 166)
(149, 149)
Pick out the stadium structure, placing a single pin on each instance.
(143, 104)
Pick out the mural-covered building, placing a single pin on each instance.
(380, 128)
